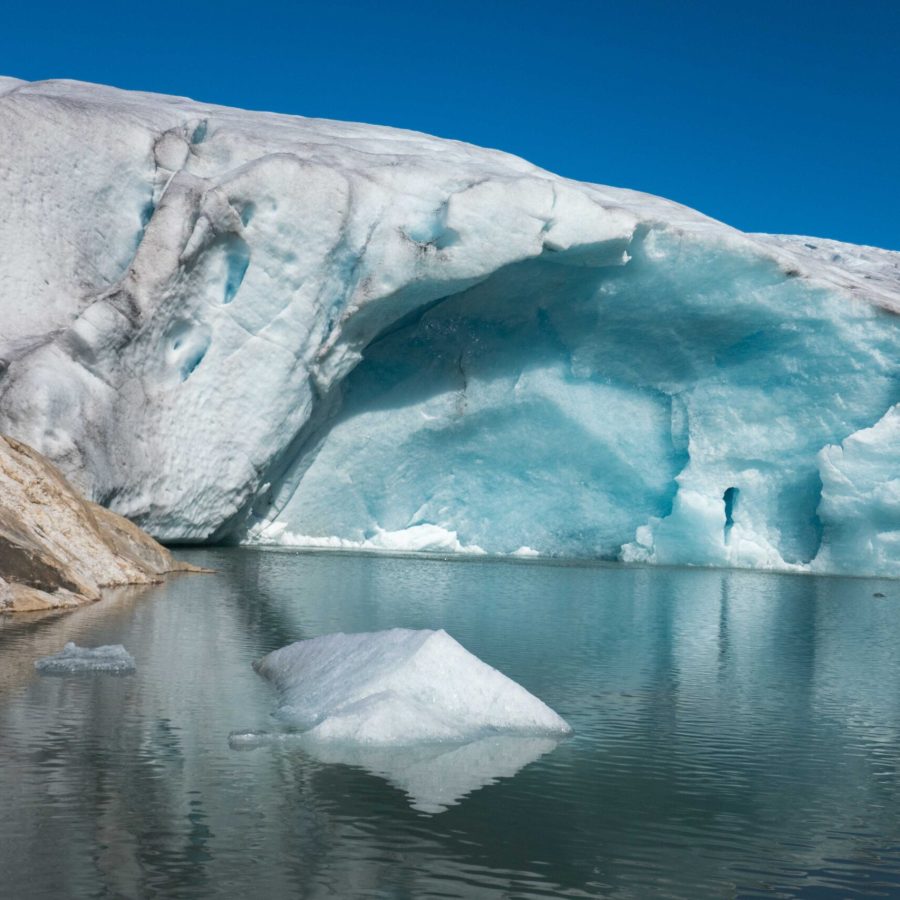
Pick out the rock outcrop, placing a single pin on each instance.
(58, 550)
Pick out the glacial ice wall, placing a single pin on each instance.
(235, 325)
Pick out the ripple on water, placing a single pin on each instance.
(736, 734)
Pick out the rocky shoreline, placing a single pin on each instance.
(59, 550)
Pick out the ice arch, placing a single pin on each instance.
(598, 412)
(243, 326)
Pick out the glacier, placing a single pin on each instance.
(243, 326)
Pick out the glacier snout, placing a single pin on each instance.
(676, 409)
(243, 326)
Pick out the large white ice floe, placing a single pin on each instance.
(74, 660)
(399, 687)
(413, 707)
(247, 326)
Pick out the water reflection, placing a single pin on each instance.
(735, 734)
(432, 776)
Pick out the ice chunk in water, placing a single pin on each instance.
(399, 688)
(413, 707)
(75, 660)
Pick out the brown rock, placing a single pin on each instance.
(57, 550)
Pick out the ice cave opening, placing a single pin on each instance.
(614, 411)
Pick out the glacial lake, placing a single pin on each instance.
(737, 734)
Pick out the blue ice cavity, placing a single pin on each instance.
(198, 135)
(669, 410)
(729, 498)
(237, 261)
(186, 344)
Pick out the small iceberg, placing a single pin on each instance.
(397, 688)
(414, 707)
(74, 660)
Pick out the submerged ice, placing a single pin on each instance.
(113, 659)
(253, 327)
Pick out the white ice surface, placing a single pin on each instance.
(861, 499)
(227, 323)
(399, 688)
(415, 539)
(75, 660)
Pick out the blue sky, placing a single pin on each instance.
(780, 117)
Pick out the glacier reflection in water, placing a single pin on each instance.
(736, 734)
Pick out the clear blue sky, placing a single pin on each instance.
(773, 116)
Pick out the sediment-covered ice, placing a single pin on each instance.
(245, 326)
(399, 688)
(75, 660)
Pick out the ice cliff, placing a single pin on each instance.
(239, 325)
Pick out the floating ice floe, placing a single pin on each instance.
(74, 660)
(399, 687)
(414, 707)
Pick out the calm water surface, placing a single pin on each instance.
(736, 735)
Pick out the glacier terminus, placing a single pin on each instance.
(248, 327)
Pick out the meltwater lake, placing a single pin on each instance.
(737, 734)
